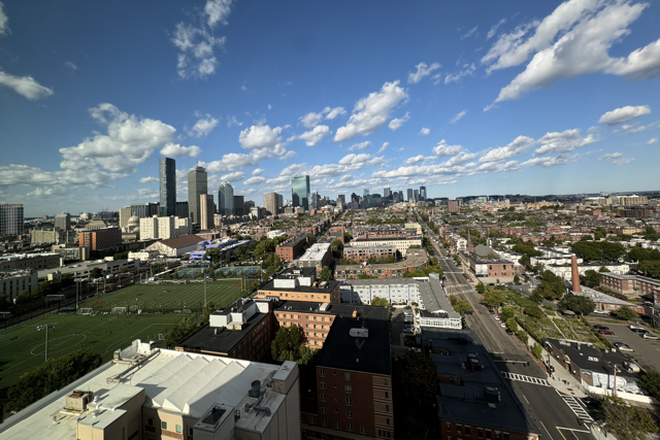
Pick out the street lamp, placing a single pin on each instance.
(78, 288)
(46, 327)
(204, 273)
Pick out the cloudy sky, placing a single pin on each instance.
(468, 98)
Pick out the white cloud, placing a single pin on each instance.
(4, 21)
(257, 171)
(422, 71)
(313, 137)
(414, 160)
(489, 107)
(470, 32)
(231, 120)
(444, 150)
(458, 116)
(176, 150)
(149, 180)
(257, 180)
(425, 131)
(610, 156)
(332, 113)
(563, 142)
(233, 176)
(217, 11)
(468, 69)
(354, 158)
(260, 136)
(48, 191)
(624, 114)
(516, 148)
(360, 146)
(371, 112)
(70, 65)
(573, 40)
(546, 162)
(385, 145)
(203, 126)
(396, 123)
(653, 141)
(622, 161)
(493, 30)
(311, 119)
(25, 86)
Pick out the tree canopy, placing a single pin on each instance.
(598, 250)
(649, 268)
(288, 345)
(625, 312)
(650, 381)
(577, 304)
(326, 274)
(460, 305)
(591, 278)
(626, 422)
(551, 287)
(493, 298)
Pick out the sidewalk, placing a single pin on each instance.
(562, 380)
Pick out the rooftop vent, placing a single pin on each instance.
(359, 332)
(78, 400)
(255, 391)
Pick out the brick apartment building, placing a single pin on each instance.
(299, 284)
(353, 398)
(631, 285)
(363, 253)
(417, 259)
(100, 239)
(292, 248)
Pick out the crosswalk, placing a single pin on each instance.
(577, 408)
(528, 379)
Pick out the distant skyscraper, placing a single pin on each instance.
(314, 200)
(416, 195)
(197, 186)
(206, 212)
(341, 198)
(63, 221)
(226, 199)
(167, 186)
(300, 191)
(142, 210)
(182, 210)
(238, 205)
(11, 219)
(386, 192)
(410, 194)
(422, 193)
(273, 203)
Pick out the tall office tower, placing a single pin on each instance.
(197, 186)
(314, 200)
(11, 219)
(410, 194)
(416, 195)
(386, 192)
(206, 212)
(300, 191)
(355, 198)
(142, 210)
(182, 210)
(225, 199)
(63, 221)
(365, 193)
(422, 193)
(167, 187)
(341, 198)
(273, 203)
(124, 215)
(239, 201)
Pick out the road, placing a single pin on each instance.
(555, 415)
(647, 351)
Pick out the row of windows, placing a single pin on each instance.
(347, 376)
(307, 317)
(337, 425)
(347, 388)
(467, 431)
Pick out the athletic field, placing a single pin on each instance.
(22, 346)
(152, 297)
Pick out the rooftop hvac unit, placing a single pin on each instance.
(359, 332)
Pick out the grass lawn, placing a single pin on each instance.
(151, 297)
(22, 346)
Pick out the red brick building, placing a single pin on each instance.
(292, 248)
(100, 239)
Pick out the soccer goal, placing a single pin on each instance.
(118, 310)
(85, 311)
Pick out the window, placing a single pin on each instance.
(349, 401)
(349, 427)
(347, 376)
(387, 408)
(349, 414)
(179, 429)
(480, 432)
(311, 420)
(337, 425)
(324, 422)
(348, 389)
(324, 410)
(322, 385)
(163, 425)
(506, 436)
(387, 421)
(387, 395)
(467, 431)
(322, 372)
(385, 382)
(150, 421)
(459, 429)
(363, 429)
(498, 435)
(323, 398)
(190, 432)
(488, 433)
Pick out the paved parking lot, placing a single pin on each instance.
(647, 351)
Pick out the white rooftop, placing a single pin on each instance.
(315, 252)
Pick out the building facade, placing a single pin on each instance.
(11, 219)
(100, 239)
(207, 212)
(239, 201)
(197, 187)
(15, 281)
(292, 248)
(300, 191)
(273, 203)
(226, 199)
(167, 175)
(63, 221)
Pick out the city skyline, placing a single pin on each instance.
(535, 98)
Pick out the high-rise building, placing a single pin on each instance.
(341, 198)
(273, 203)
(226, 198)
(206, 212)
(416, 195)
(142, 210)
(453, 206)
(124, 215)
(63, 221)
(182, 210)
(11, 219)
(197, 186)
(386, 192)
(410, 195)
(300, 191)
(167, 186)
(238, 205)
(422, 193)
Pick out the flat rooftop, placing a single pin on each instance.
(413, 259)
(328, 287)
(219, 340)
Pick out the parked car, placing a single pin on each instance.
(631, 367)
(639, 331)
(601, 327)
(606, 332)
(649, 336)
(622, 346)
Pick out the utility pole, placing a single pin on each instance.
(46, 327)
(204, 273)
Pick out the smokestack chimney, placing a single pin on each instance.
(575, 275)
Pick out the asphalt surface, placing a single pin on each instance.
(646, 351)
(556, 416)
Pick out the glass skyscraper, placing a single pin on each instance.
(300, 191)
(226, 198)
(167, 187)
(197, 186)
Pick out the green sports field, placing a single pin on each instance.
(151, 297)
(22, 346)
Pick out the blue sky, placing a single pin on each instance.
(469, 97)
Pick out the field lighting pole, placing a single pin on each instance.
(78, 281)
(46, 327)
(204, 273)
